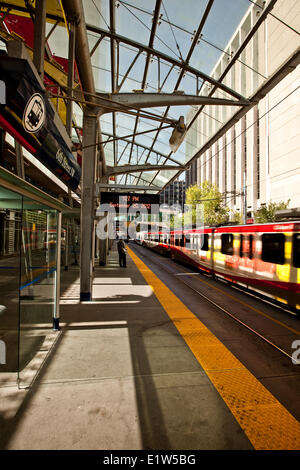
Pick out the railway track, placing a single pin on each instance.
(179, 277)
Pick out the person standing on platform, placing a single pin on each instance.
(122, 253)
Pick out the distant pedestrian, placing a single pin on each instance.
(122, 253)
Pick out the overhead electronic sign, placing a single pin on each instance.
(28, 116)
(124, 201)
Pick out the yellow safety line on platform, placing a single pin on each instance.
(265, 421)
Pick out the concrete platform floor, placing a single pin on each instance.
(119, 376)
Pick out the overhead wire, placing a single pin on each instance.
(177, 45)
(201, 38)
(149, 29)
(108, 27)
(204, 40)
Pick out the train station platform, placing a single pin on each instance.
(135, 369)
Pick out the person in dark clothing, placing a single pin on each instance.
(122, 253)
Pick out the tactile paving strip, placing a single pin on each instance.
(265, 421)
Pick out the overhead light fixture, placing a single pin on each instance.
(178, 135)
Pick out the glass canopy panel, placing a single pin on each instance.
(97, 13)
(163, 177)
(174, 33)
(175, 30)
(226, 26)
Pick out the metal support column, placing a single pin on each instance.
(39, 36)
(57, 283)
(71, 63)
(87, 204)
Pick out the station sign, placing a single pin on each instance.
(26, 114)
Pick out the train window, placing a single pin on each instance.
(182, 241)
(227, 243)
(241, 246)
(204, 242)
(296, 250)
(188, 241)
(250, 246)
(273, 248)
(177, 241)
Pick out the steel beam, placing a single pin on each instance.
(247, 39)
(165, 57)
(161, 155)
(195, 40)
(236, 55)
(143, 85)
(56, 313)
(188, 57)
(119, 86)
(125, 169)
(39, 36)
(113, 68)
(75, 13)
(121, 102)
(127, 187)
(151, 40)
(289, 66)
(71, 64)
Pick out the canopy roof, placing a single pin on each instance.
(157, 48)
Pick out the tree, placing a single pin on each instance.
(208, 197)
(237, 217)
(266, 213)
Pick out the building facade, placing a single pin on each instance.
(258, 159)
(174, 194)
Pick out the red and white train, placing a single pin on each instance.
(264, 257)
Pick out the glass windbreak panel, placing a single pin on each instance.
(70, 242)
(37, 288)
(10, 231)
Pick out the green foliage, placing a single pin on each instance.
(267, 213)
(209, 199)
(237, 217)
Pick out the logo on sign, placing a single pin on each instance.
(34, 114)
(63, 161)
